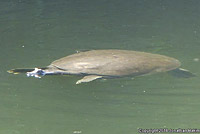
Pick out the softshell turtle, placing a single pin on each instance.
(96, 64)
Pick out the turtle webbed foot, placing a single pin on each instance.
(88, 78)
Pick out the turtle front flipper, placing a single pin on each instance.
(88, 78)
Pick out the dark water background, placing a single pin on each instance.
(35, 32)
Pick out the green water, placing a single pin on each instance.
(35, 32)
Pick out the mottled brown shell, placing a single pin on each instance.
(115, 63)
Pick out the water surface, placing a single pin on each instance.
(33, 33)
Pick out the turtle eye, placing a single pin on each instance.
(40, 72)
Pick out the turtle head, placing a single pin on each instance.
(37, 73)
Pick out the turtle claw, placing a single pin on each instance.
(37, 73)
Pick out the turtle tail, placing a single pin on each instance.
(22, 70)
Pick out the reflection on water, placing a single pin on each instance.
(34, 33)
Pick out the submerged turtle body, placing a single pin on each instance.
(114, 63)
(96, 64)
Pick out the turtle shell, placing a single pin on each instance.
(115, 63)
